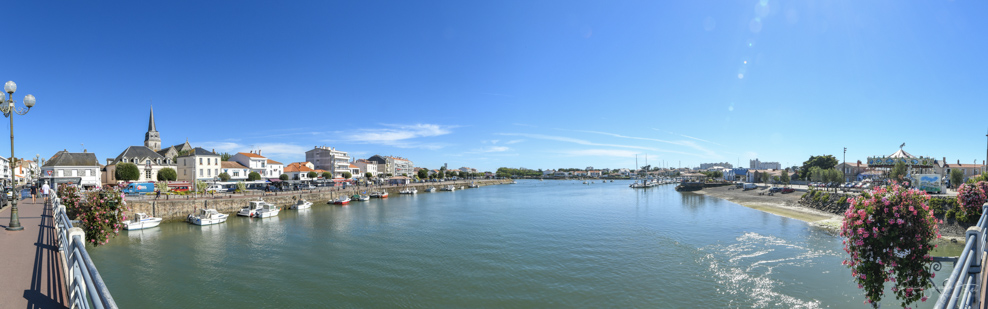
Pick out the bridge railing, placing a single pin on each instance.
(83, 283)
(962, 287)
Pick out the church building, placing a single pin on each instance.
(149, 158)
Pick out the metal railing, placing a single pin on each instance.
(82, 281)
(962, 287)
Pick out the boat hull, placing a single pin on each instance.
(143, 224)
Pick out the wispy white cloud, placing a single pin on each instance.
(401, 136)
(514, 141)
(495, 149)
(690, 137)
(690, 144)
(276, 149)
(602, 153)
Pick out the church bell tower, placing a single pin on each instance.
(152, 139)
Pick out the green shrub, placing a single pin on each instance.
(843, 199)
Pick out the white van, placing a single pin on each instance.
(216, 188)
(750, 186)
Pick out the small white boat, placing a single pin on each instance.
(207, 217)
(380, 194)
(474, 185)
(342, 200)
(431, 189)
(141, 221)
(358, 197)
(449, 188)
(251, 209)
(409, 191)
(267, 211)
(301, 204)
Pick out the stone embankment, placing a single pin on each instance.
(177, 208)
(835, 203)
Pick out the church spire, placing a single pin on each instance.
(151, 127)
(152, 139)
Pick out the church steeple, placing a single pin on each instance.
(151, 121)
(152, 139)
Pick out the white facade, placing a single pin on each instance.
(4, 169)
(76, 168)
(273, 169)
(366, 166)
(759, 165)
(254, 162)
(200, 164)
(237, 171)
(329, 159)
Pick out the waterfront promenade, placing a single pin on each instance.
(31, 275)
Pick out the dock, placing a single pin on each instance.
(31, 275)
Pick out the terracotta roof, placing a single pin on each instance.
(297, 167)
(251, 155)
(232, 164)
(354, 166)
(273, 162)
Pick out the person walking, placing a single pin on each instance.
(34, 193)
(44, 191)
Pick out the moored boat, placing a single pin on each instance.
(251, 209)
(431, 189)
(301, 204)
(267, 210)
(379, 194)
(207, 217)
(449, 188)
(409, 191)
(141, 221)
(342, 200)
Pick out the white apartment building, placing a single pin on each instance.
(198, 164)
(329, 159)
(76, 168)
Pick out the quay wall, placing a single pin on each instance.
(177, 208)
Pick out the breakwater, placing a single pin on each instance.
(177, 208)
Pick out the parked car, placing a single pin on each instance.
(788, 190)
(776, 189)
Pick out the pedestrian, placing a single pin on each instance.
(44, 191)
(34, 193)
(157, 193)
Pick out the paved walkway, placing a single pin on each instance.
(30, 263)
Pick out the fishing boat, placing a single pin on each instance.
(251, 209)
(408, 191)
(342, 200)
(267, 210)
(431, 189)
(207, 217)
(358, 197)
(379, 194)
(301, 204)
(141, 221)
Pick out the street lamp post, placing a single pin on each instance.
(9, 110)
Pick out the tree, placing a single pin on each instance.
(442, 174)
(823, 162)
(241, 186)
(784, 178)
(312, 175)
(201, 186)
(224, 176)
(253, 176)
(368, 175)
(347, 175)
(327, 175)
(956, 178)
(283, 177)
(225, 156)
(423, 173)
(127, 172)
(898, 172)
(167, 174)
(765, 177)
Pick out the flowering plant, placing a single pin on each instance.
(101, 212)
(888, 233)
(970, 197)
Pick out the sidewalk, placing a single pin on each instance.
(31, 271)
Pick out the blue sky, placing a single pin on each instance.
(535, 84)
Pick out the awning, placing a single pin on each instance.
(274, 180)
(73, 180)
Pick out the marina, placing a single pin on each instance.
(534, 244)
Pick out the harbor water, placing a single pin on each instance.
(535, 244)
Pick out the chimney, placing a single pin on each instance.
(83, 150)
(958, 161)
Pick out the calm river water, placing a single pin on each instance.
(529, 245)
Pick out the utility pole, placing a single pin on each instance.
(844, 167)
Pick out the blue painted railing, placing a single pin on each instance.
(82, 281)
(962, 288)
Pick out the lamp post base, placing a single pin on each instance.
(15, 220)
